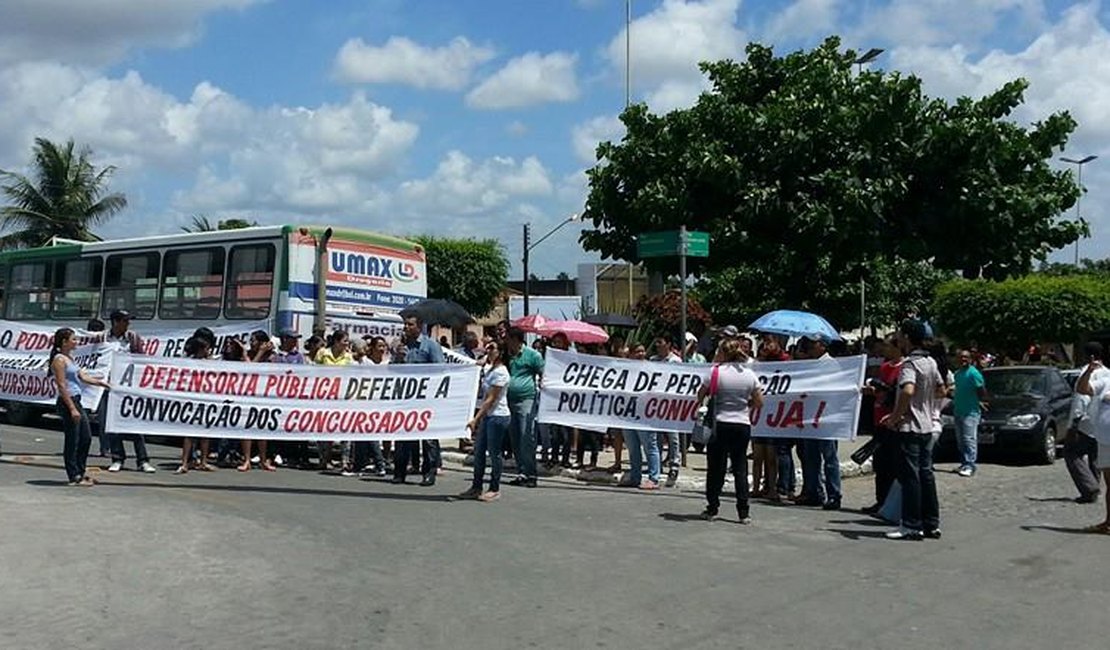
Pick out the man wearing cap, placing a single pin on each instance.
(820, 487)
(121, 334)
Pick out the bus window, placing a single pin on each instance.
(29, 291)
(250, 282)
(77, 289)
(131, 284)
(192, 284)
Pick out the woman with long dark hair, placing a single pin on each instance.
(75, 419)
(261, 350)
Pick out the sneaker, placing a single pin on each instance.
(745, 521)
(380, 471)
(348, 472)
(932, 534)
(708, 514)
(831, 505)
(672, 478)
(147, 468)
(906, 534)
(255, 460)
(966, 472)
(279, 461)
(115, 466)
(1087, 498)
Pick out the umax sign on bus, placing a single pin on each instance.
(362, 273)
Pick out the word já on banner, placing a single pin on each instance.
(797, 413)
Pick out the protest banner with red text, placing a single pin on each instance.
(25, 353)
(803, 399)
(221, 399)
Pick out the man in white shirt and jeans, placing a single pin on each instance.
(1097, 385)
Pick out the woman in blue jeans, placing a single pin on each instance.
(490, 425)
(75, 419)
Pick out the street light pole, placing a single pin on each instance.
(868, 57)
(529, 245)
(1079, 180)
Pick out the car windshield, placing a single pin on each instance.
(1015, 382)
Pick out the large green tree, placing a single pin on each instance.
(809, 176)
(469, 271)
(64, 196)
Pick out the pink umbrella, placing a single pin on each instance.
(530, 323)
(576, 331)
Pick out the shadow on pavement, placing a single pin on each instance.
(1052, 499)
(864, 522)
(680, 518)
(594, 487)
(262, 489)
(1062, 529)
(48, 483)
(857, 535)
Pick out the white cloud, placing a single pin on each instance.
(102, 31)
(669, 42)
(463, 187)
(804, 18)
(403, 61)
(516, 128)
(528, 80)
(586, 136)
(934, 22)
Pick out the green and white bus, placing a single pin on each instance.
(188, 280)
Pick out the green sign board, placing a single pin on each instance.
(668, 244)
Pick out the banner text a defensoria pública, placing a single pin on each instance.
(221, 399)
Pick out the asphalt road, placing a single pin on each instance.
(297, 559)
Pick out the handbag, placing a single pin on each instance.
(706, 426)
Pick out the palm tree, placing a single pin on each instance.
(201, 223)
(65, 197)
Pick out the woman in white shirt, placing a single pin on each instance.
(735, 391)
(490, 425)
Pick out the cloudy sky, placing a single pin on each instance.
(464, 117)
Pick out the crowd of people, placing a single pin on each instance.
(906, 386)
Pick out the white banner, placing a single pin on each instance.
(272, 401)
(803, 399)
(450, 356)
(25, 353)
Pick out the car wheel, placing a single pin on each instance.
(1047, 454)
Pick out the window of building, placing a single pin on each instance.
(77, 289)
(29, 291)
(192, 284)
(131, 284)
(250, 282)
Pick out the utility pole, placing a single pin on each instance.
(527, 247)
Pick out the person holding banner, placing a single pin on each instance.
(664, 352)
(335, 352)
(735, 390)
(70, 381)
(199, 346)
(418, 348)
(489, 426)
(129, 341)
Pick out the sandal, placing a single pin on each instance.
(181, 469)
(205, 467)
(269, 467)
(245, 467)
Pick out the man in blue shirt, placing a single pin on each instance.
(970, 392)
(418, 348)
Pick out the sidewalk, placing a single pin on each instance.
(692, 477)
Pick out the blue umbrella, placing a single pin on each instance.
(794, 323)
